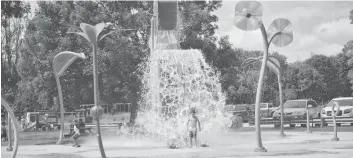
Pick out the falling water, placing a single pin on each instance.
(174, 81)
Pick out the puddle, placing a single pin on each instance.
(52, 142)
(344, 147)
(297, 153)
(58, 155)
(312, 141)
(304, 142)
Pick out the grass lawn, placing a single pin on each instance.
(31, 138)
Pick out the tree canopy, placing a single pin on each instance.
(27, 72)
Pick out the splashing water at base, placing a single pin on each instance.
(175, 81)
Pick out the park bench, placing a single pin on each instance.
(49, 127)
(83, 129)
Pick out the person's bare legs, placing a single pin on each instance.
(76, 143)
(195, 136)
(195, 140)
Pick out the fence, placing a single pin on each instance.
(318, 122)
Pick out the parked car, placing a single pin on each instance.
(346, 107)
(240, 114)
(297, 110)
(267, 109)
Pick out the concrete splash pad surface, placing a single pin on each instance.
(232, 144)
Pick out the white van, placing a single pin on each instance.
(346, 107)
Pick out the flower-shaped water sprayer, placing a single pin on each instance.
(284, 30)
(61, 62)
(92, 34)
(248, 17)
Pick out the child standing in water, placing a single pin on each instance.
(192, 129)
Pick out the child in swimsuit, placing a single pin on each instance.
(192, 129)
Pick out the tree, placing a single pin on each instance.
(242, 80)
(40, 41)
(48, 35)
(342, 85)
(14, 17)
(325, 67)
(290, 82)
(199, 26)
(348, 51)
(12, 9)
(246, 87)
(226, 60)
(119, 55)
(310, 82)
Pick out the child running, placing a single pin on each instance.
(76, 134)
(192, 129)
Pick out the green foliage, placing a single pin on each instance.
(121, 53)
(324, 66)
(118, 55)
(199, 26)
(310, 82)
(348, 52)
(13, 20)
(12, 9)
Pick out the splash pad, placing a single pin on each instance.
(174, 81)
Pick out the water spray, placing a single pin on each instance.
(176, 80)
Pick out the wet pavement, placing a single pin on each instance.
(232, 144)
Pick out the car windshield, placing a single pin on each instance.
(295, 104)
(346, 102)
(263, 105)
(238, 107)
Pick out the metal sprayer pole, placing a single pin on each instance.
(281, 104)
(96, 98)
(308, 121)
(9, 148)
(260, 148)
(61, 101)
(15, 125)
(334, 114)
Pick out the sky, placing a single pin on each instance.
(319, 27)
